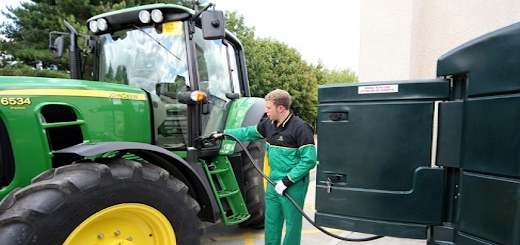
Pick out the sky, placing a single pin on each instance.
(5, 3)
(319, 30)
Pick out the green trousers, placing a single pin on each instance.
(279, 209)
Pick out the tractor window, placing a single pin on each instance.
(234, 69)
(213, 67)
(146, 57)
(215, 79)
(153, 58)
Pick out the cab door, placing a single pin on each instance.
(376, 172)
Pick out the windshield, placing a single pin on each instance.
(154, 58)
(144, 57)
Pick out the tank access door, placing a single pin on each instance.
(376, 171)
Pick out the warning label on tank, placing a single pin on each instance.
(378, 89)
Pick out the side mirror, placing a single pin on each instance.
(232, 96)
(213, 26)
(58, 47)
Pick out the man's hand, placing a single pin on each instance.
(217, 135)
(280, 187)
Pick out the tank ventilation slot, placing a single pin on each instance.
(62, 126)
(58, 113)
(63, 137)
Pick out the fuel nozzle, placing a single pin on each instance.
(210, 140)
(217, 135)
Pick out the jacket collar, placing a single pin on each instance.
(282, 125)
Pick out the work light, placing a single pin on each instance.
(93, 26)
(144, 16)
(102, 24)
(157, 16)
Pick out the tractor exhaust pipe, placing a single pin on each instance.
(74, 52)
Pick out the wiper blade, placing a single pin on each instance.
(157, 41)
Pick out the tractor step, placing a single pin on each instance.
(218, 171)
(227, 192)
(237, 218)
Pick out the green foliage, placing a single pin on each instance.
(28, 71)
(235, 24)
(27, 35)
(339, 76)
(272, 64)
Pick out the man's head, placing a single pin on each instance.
(277, 104)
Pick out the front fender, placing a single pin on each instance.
(94, 149)
(192, 174)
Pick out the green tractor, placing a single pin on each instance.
(122, 160)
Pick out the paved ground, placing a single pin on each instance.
(220, 234)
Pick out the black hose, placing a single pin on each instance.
(365, 239)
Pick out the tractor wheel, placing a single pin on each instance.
(121, 202)
(254, 185)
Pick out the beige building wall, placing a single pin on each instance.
(402, 39)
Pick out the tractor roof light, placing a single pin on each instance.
(198, 96)
(102, 24)
(157, 16)
(144, 16)
(93, 26)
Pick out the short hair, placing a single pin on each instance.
(279, 97)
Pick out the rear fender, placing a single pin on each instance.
(244, 112)
(192, 174)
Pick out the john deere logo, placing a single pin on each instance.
(280, 138)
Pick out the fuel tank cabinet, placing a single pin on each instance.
(431, 159)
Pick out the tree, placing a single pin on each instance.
(272, 64)
(276, 65)
(27, 35)
(121, 74)
(339, 76)
(28, 71)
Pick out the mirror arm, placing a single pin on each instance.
(196, 15)
(90, 42)
(51, 46)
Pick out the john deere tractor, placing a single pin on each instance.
(121, 160)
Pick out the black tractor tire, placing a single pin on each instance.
(254, 185)
(60, 200)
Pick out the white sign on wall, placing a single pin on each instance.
(378, 89)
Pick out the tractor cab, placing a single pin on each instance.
(182, 58)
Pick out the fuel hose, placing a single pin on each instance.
(364, 239)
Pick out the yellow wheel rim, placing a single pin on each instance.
(124, 224)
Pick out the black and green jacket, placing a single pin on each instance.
(290, 147)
